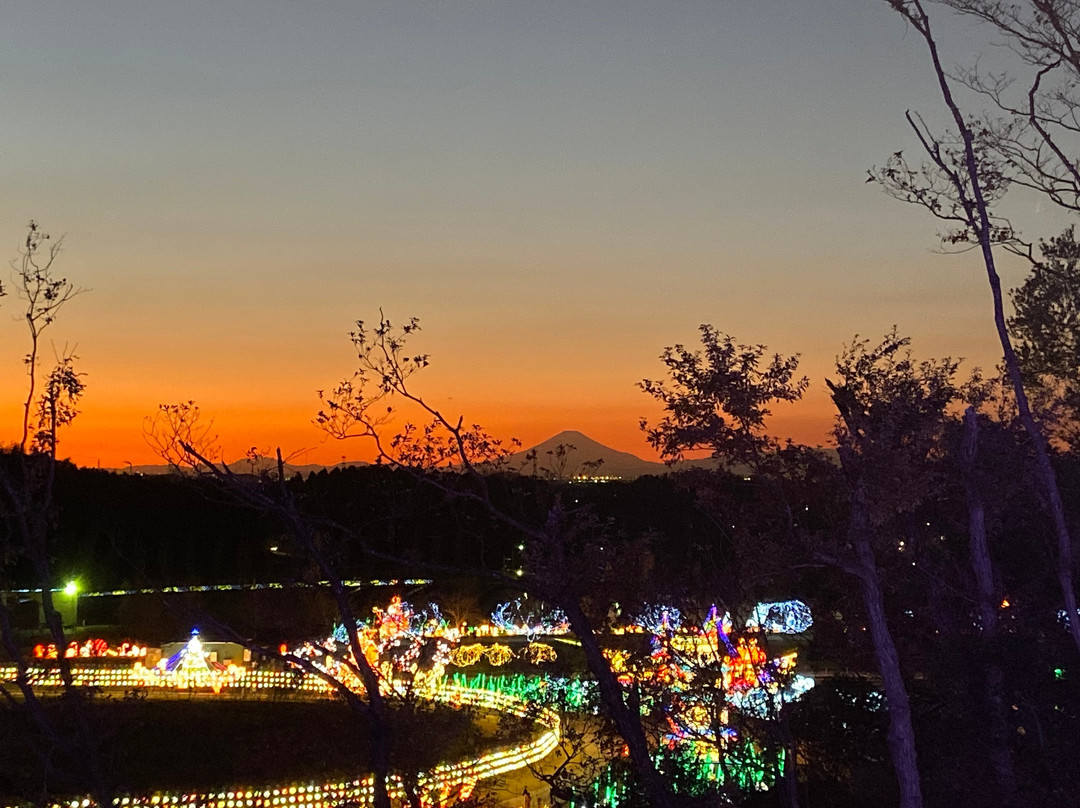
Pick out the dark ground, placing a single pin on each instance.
(203, 743)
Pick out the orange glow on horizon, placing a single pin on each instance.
(556, 195)
(112, 437)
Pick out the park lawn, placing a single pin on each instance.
(204, 744)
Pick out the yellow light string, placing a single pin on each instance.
(444, 783)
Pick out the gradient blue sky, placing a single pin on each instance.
(557, 190)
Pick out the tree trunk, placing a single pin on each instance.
(790, 792)
(971, 193)
(379, 729)
(31, 363)
(901, 735)
(30, 516)
(627, 721)
(1044, 469)
(1001, 757)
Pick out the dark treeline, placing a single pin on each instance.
(119, 531)
(707, 532)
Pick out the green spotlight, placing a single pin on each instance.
(71, 589)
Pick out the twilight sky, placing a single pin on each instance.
(557, 190)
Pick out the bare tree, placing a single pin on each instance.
(1039, 134)
(179, 435)
(558, 553)
(965, 174)
(28, 508)
(44, 294)
(559, 568)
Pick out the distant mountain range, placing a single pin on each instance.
(568, 454)
(244, 466)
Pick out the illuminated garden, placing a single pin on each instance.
(508, 717)
(412, 635)
(440, 629)
(504, 404)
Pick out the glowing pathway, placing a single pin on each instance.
(443, 784)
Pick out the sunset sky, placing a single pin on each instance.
(557, 190)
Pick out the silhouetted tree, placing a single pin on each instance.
(44, 294)
(892, 418)
(182, 438)
(28, 515)
(57, 408)
(1046, 324)
(565, 561)
(969, 169)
